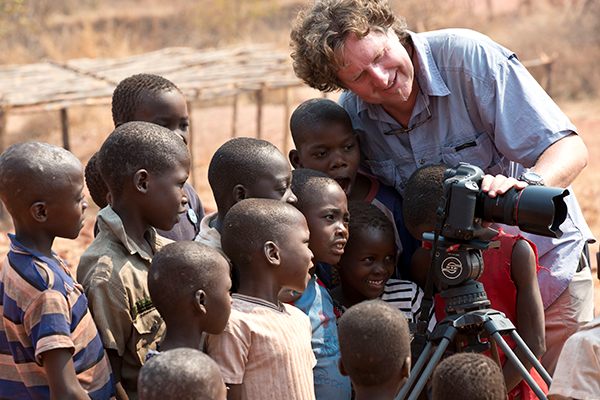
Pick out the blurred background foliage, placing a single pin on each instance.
(33, 30)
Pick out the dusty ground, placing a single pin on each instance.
(212, 127)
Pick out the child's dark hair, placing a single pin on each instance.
(138, 145)
(252, 222)
(374, 342)
(95, 183)
(238, 161)
(315, 112)
(180, 374)
(177, 271)
(130, 92)
(307, 184)
(468, 376)
(422, 195)
(364, 215)
(30, 172)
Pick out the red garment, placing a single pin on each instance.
(502, 294)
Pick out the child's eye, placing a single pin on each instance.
(390, 258)
(346, 220)
(349, 147)
(329, 217)
(320, 154)
(369, 259)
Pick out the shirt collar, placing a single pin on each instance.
(56, 263)
(110, 222)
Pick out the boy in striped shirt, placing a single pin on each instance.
(49, 344)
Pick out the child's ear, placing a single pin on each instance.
(341, 367)
(272, 253)
(199, 299)
(140, 180)
(38, 211)
(295, 159)
(239, 193)
(406, 368)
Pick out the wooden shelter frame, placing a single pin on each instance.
(200, 74)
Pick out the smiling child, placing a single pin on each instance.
(368, 263)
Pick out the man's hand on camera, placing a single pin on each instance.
(500, 184)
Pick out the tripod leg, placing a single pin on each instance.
(531, 357)
(435, 359)
(449, 336)
(415, 371)
(513, 358)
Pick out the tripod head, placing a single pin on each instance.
(459, 236)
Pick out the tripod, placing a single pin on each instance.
(470, 317)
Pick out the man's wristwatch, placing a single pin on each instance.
(532, 179)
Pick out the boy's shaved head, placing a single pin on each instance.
(307, 184)
(313, 113)
(468, 376)
(138, 145)
(32, 172)
(240, 161)
(177, 271)
(131, 93)
(95, 183)
(181, 374)
(424, 190)
(250, 223)
(374, 342)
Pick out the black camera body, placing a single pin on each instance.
(535, 209)
(461, 237)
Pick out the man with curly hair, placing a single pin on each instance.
(448, 96)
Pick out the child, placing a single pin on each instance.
(509, 274)
(324, 205)
(367, 264)
(324, 140)
(264, 352)
(375, 347)
(577, 374)
(49, 344)
(152, 98)
(243, 168)
(468, 376)
(145, 167)
(189, 286)
(184, 373)
(95, 184)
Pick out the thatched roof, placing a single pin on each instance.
(200, 74)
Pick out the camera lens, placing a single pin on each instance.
(535, 209)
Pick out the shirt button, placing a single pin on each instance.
(422, 161)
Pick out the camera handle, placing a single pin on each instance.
(458, 327)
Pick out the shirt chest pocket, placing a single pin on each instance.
(477, 149)
(148, 330)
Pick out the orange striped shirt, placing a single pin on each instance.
(265, 348)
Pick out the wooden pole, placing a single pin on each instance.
(286, 121)
(548, 68)
(234, 116)
(191, 144)
(64, 121)
(259, 108)
(4, 110)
